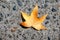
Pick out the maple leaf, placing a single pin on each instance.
(32, 20)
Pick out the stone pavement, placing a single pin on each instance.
(10, 17)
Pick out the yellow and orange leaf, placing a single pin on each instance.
(32, 20)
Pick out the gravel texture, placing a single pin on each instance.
(10, 17)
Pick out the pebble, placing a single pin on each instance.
(1, 19)
(47, 17)
(6, 22)
(54, 17)
(14, 8)
(0, 38)
(3, 6)
(53, 10)
(29, 9)
(8, 14)
(19, 2)
(1, 15)
(46, 22)
(45, 5)
(56, 0)
(48, 38)
(10, 36)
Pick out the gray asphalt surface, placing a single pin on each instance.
(10, 17)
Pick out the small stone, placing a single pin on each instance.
(42, 6)
(38, 6)
(0, 38)
(53, 10)
(6, 22)
(54, 14)
(48, 38)
(1, 14)
(14, 29)
(54, 17)
(3, 6)
(25, 37)
(59, 17)
(7, 14)
(17, 36)
(47, 17)
(59, 36)
(14, 8)
(54, 29)
(19, 2)
(57, 20)
(46, 1)
(57, 23)
(1, 19)
(33, 36)
(46, 22)
(10, 36)
(56, 0)
(45, 5)
(29, 9)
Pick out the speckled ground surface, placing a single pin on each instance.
(10, 17)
